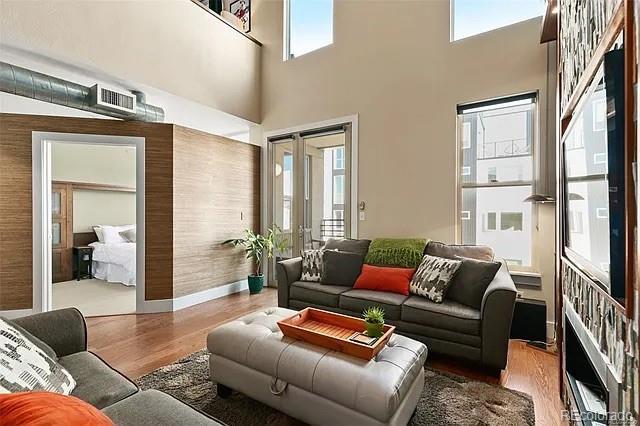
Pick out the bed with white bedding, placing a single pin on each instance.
(114, 254)
(115, 262)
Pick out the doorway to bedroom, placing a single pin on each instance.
(91, 185)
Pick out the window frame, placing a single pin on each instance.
(534, 97)
(286, 31)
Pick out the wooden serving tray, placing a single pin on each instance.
(332, 331)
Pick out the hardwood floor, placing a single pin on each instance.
(138, 344)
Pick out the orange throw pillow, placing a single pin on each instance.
(394, 280)
(48, 409)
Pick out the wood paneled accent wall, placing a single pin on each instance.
(200, 190)
(16, 255)
(216, 196)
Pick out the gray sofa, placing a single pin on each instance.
(450, 328)
(63, 334)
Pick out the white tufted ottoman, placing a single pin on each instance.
(311, 383)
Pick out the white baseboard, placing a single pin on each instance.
(551, 330)
(178, 303)
(16, 313)
(209, 294)
(154, 306)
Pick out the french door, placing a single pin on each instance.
(310, 190)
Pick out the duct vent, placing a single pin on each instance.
(113, 100)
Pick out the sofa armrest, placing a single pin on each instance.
(64, 330)
(287, 272)
(496, 313)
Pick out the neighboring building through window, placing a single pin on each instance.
(496, 175)
(308, 26)
(472, 17)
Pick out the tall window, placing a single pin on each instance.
(472, 17)
(308, 26)
(496, 140)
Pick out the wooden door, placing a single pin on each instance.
(61, 232)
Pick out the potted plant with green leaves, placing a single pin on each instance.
(258, 247)
(374, 320)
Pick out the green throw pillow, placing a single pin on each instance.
(396, 252)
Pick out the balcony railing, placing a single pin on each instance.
(505, 148)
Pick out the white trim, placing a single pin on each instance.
(16, 313)
(41, 188)
(551, 331)
(178, 303)
(209, 294)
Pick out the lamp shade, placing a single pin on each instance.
(539, 198)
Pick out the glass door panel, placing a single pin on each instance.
(325, 210)
(283, 187)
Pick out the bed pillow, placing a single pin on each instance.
(129, 235)
(46, 408)
(25, 367)
(379, 278)
(112, 233)
(433, 277)
(99, 233)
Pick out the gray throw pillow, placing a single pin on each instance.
(311, 265)
(450, 251)
(341, 268)
(433, 277)
(360, 247)
(471, 281)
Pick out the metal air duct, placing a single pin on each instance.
(31, 84)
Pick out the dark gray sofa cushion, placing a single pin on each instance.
(154, 408)
(450, 251)
(96, 382)
(341, 268)
(471, 281)
(448, 315)
(359, 300)
(346, 244)
(317, 293)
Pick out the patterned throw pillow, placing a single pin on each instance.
(312, 265)
(26, 367)
(433, 277)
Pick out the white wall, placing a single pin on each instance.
(172, 45)
(101, 164)
(397, 69)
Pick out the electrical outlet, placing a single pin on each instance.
(362, 216)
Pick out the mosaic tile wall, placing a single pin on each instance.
(607, 323)
(582, 23)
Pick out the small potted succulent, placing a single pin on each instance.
(374, 319)
(257, 247)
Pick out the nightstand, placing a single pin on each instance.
(82, 262)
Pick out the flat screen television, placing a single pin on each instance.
(593, 157)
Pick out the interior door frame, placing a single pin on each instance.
(41, 190)
(267, 176)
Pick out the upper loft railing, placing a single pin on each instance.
(215, 15)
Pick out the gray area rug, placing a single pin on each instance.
(446, 400)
